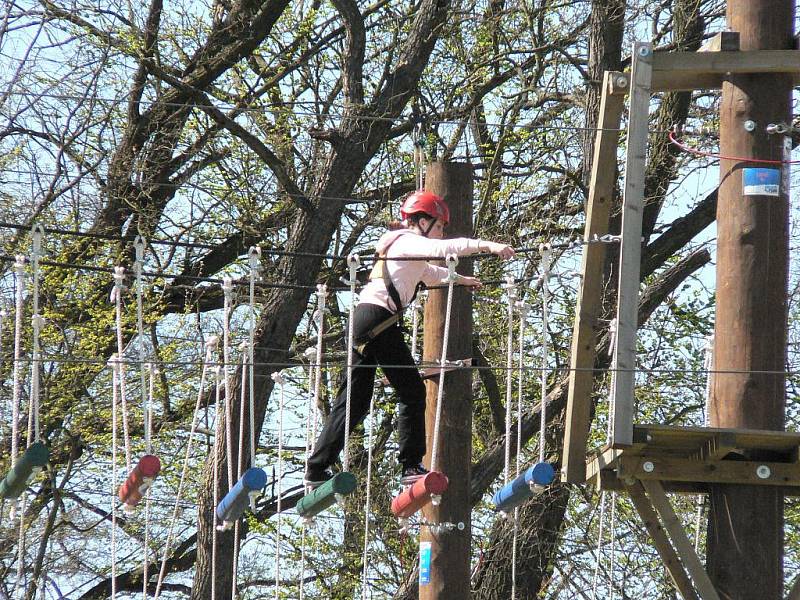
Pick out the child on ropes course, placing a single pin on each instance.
(393, 285)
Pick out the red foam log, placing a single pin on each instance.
(130, 492)
(419, 494)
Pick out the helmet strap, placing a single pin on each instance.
(428, 230)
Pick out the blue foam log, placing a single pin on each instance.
(237, 500)
(518, 491)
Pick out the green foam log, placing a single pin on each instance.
(36, 455)
(324, 496)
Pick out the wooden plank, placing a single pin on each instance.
(722, 471)
(718, 447)
(584, 335)
(661, 541)
(624, 363)
(601, 461)
(690, 439)
(723, 41)
(706, 70)
(681, 542)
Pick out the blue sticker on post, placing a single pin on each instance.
(761, 182)
(424, 563)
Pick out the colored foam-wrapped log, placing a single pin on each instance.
(139, 480)
(325, 495)
(34, 457)
(521, 489)
(418, 494)
(237, 499)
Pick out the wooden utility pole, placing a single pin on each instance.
(745, 530)
(450, 548)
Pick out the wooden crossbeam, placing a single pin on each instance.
(680, 541)
(674, 71)
(584, 336)
(665, 549)
(664, 468)
(718, 447)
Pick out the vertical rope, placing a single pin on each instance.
(210, 344)
(367, 506)
(546, 263)
(114, 364)
(227, 289)
(612, 533)
(598, 555)
(242, 407)
(119, 278)
(148, 420)
(138, 244)
(708, 366)
(277, 377)
(254, 257)
(523, 313)
(3, 416)
(19, 271)
(353, 262)
(451, 261)
(217, 449)
(37, 322)
(511, 296)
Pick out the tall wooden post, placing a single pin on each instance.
(450, 549)
(745, 531)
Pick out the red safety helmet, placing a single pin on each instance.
(426, 202)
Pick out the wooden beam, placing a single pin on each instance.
(738, 472)
(600, 462)
(723, 41)
(584, 335)
(719, 446)
(661, 541)
(674, 71)
(624, 364)
(680, 541)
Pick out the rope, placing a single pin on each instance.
(597, 558)
(242, 402)
(451, 261)
(546, 263)
(114, 364)
(36, 321)
(116, 297)
(511, 295)
(353, 262)
(523, 311)
(254, 258)
(210, 343)
(3, 317)
(277, 377)
(148, 420)
(227, 289)
(760, 161)
(708, 365)
(19, 270)
(137, 269)
(217, 449)
(367, 506)
(612, 533)
(416, 309)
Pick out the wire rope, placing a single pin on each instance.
(761, 161)
(451, 261)
(353, 262)
(119, 278)
(278, 378)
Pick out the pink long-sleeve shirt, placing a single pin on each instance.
(405, 274)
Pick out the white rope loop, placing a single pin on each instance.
(116, 294)
(227, 289)
(546, 264)
(353, 262)
(278, 378)
(511, 296)
(138, 244)
(37, 321)
(210, 345)
(242, 406)
(254, 260)
(19, 278)
(451, 262)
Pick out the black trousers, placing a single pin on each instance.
(390, 351)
